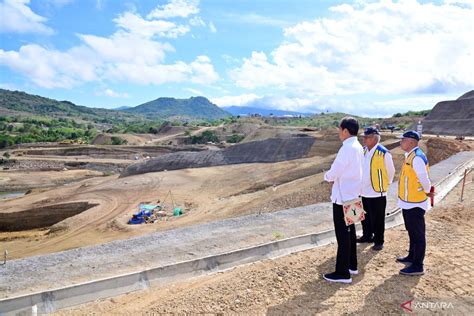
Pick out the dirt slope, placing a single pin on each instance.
(269, 150)
(206, 194)
(452, 117)
(293, 285)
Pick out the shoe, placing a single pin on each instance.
(412, 270)
(333, 277)
(377, 247)
(404, 260)
(364, 239)
(353, 272)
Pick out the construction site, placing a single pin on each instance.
(216, 228)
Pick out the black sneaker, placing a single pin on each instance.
(333, 277)
(364, 239)
(377, 247)
(404, 260)
(412, 270)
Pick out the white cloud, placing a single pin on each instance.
(51, 68)
(195, 92)
(148, 74)
(212, 27)
(318, 104)
(135, 24)
(237, 100)
(126, 47)
(382, 108)
(378, 47)
(196, 21)
(199, 71)
(417, 103)
(175, 8)
(229, 59)
(257, 71)
(17, 17)
(254, 18)
(8, 86)
(462, 2)
(113, 94)
(286, 103)
(203, 71)
(131, 54)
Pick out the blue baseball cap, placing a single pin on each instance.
(370, 131)
(411, 134)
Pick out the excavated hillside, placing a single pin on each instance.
(452, 117)
(269, 150)
(94, 209)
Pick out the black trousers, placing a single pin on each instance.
(346, 242)
(374, 224)
(415, 224)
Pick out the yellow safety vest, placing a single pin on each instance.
(409, 187)
(378, 170)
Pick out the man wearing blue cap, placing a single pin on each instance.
(413, 191)
(378, 172)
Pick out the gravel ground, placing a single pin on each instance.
(158, 249)
(269, 150)
(51, 164)
(292, 285)
(14, 164)
(55, 270)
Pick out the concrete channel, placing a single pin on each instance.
(445, 175)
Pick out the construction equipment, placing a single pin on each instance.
(176, 210)
(149, 213)
(145, 215)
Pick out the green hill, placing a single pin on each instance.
(195, 108)
(171, 108)
(23, 102)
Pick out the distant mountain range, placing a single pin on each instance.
(16, 102)
(171, 108)
(122, 108)
(245, 110)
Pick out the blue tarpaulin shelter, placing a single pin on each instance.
(146, 210)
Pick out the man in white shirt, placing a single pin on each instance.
(414, 189)
(346, 176)
(378, 172)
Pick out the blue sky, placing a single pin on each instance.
(363, 57)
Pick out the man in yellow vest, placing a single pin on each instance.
(378, 172)
(413, 198)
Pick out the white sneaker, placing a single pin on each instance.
(353, 272)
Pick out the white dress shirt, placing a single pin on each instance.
(420, 170)
(367, 188)
(346, 172)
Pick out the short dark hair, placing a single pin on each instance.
(350, 124)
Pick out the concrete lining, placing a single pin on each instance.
(55, 299)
